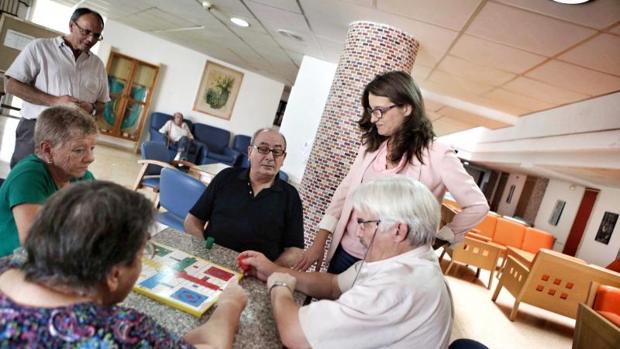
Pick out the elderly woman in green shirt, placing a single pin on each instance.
(64, 140)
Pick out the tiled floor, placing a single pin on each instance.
(476, 316)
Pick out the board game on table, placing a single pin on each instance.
(181, 280)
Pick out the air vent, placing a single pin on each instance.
(290, 35)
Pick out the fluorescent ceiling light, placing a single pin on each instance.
(182, 29)
(571, 2)
(240, 22)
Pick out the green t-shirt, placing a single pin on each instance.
(29, 182)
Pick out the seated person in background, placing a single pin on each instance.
(179, 135)
(253, 208)
(64, 139)
(396, 297)
(83, 256)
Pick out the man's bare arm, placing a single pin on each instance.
(33, 95)
(193, 225)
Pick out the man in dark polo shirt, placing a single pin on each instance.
(252, 209)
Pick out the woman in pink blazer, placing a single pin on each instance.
(397, 138)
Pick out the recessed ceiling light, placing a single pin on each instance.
(240, 22)
(571, 2)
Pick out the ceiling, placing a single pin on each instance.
(481, 62)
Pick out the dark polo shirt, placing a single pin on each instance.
(268, 223)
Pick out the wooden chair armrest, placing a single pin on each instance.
(181, 163)
(155, 162)
(477, 236)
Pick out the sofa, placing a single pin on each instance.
(520, 241)
(217, 141)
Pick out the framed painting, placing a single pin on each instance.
(218, 90)
(606, 228)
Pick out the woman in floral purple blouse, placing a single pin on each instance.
(84, 254)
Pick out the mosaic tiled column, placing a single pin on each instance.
(370, 49)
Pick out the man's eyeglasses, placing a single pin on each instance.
(378, 112)
(86, 32)
(263, 149)
(365, 224)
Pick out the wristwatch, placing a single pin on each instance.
(279, 284)
(94, 111)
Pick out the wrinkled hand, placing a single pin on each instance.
(234, 295)
(257, 264)
(282, 277)
(311, 255)
(87, 107)
(64, 100)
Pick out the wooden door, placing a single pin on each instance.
(524, 199)
(581, 219)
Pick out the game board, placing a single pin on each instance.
(183, 281)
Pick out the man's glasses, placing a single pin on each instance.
(378, 112)
(365, 224)
(86, 32)
(263, 149)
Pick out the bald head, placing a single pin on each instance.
(268, 129)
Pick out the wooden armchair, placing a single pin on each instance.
(598, 320)
(555, 282)
(477, 253)
(155, 157)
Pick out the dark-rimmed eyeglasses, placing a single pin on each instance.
(378, 112)
(86, 32)
(364, 223)
(263, 149)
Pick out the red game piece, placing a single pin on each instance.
(242, 265)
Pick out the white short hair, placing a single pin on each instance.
(400, 199)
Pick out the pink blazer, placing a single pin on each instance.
(442, 171)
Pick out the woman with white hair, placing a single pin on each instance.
(64, 139)
(394, 297)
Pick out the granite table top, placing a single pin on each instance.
(257, 328)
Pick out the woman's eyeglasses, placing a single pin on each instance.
(263, 149)
(86, 32)
(150, 250)
(378, 112)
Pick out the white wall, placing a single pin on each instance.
(508, 208)
(594, 251)
(559, 190)
(303, 113)
(180, 73)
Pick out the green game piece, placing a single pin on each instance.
(209, 242)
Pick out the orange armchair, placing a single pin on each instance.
(598, 320)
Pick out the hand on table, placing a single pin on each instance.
(233, 294)
(256, 264)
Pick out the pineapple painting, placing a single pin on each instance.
(217, 96)
(218, 90)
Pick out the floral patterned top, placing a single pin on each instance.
(83, 325)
